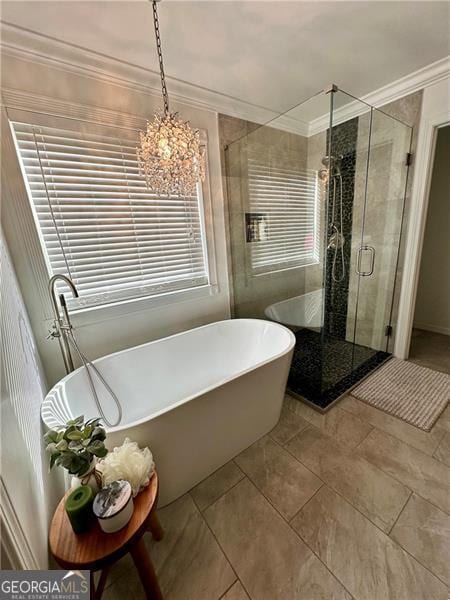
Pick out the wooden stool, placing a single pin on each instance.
(95, 550)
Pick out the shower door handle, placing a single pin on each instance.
(361, 249)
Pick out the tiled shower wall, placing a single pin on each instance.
(251, 294)
(343, 144)
(317, 149)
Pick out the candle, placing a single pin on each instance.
(79, 508)
(113, 506)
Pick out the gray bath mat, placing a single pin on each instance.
(415, 394)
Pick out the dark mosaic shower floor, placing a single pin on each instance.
(324, 368)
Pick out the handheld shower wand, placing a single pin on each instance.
(336, 239)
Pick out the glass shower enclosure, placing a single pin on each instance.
(315, 209)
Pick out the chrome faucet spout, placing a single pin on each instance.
(69, 282)
(51, 289)
(62, 322)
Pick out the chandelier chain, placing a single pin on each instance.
(160, 58)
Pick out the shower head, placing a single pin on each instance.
(333, 163)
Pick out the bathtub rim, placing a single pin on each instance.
(187, 399)
(287, 325)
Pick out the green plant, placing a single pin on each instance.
(74, 446)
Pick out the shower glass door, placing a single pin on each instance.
(380, 185)
(387, 172)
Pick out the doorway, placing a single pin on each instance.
(430, 340)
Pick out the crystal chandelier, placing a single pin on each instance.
(169, 154)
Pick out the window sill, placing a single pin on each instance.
(96, 314)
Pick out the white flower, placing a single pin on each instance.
(130, 463)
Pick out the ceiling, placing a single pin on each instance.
(272, 54)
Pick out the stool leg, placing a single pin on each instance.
(101, 583)
(146, 571)
(92, 594)
(155, 527)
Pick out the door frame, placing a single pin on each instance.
(435, 113)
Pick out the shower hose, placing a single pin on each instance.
(88, 364)
(339, 234)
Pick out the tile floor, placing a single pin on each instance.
(431, 350)
(350, 504)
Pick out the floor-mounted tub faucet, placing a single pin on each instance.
(62, 321)
(62, 329)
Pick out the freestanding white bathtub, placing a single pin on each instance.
(196, 399)
(300, 311)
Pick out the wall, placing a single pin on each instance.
(433, 294)
(29, 493)
(55, 89)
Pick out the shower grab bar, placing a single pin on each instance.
(361, 249)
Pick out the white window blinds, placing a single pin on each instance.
(100, 224)
(284, 204)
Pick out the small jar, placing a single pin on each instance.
(113, 506)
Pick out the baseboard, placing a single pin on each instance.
(432, 328)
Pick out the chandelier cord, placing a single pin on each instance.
(160, 58)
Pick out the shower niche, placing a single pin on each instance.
(315, 208)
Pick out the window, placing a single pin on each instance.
(100, 224)
(284, 212)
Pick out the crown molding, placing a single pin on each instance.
(420, 79)
(19, 100)
(24, 44)
(28, 45)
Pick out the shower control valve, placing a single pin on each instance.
(53, 333)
